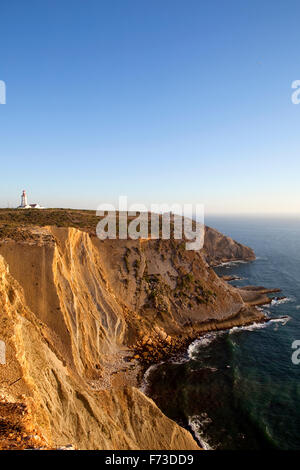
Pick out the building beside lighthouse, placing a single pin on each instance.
(25, 205)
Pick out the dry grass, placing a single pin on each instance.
(12, 220)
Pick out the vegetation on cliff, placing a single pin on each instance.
(218, 248)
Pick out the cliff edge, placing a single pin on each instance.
(78, 317)
(219, 248)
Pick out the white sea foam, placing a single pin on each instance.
(198, 424)
(232, 263)
(201, 342)
(208, 338)
(282, 320)
(276, 302)
(145, 382)
(252, 327)
(258, 326)
(281, 301)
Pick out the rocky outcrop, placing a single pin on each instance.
(74, 309)
(257, 295)
(219, 248)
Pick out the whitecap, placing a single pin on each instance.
(281, 301)
(282, 320)
(198, 423)
(232, 263)
(201, 342)
(145, 381)
(253, 326)
(258, 326)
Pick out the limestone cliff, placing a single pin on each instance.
(63, 407)
(219, 248)
(74, 307)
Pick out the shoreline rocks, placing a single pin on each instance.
(157, 349)
(256, 295)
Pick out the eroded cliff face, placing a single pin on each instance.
(62, 407)
(72, 305)
(167, 289)
(221, 249)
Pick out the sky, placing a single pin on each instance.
(164, 101)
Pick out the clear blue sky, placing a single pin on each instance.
(160, 100)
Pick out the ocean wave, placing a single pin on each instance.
(203, 341)
(276, 302)
(258, 326)
(198, 423)
(232, 263)
(253, 326)
(208, 338)
(145, 382)
(282, 320)
(281, 301)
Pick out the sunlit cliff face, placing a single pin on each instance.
(73, 305)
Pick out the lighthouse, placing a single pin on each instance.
(25, 205)
(24, 202)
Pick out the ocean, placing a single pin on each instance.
(239, 389)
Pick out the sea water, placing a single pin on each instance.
(239, 389)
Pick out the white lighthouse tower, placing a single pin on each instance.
(25, 205)
(24, 202)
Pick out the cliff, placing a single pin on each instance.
(63, 407)
(219, 248)
(76, 310)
